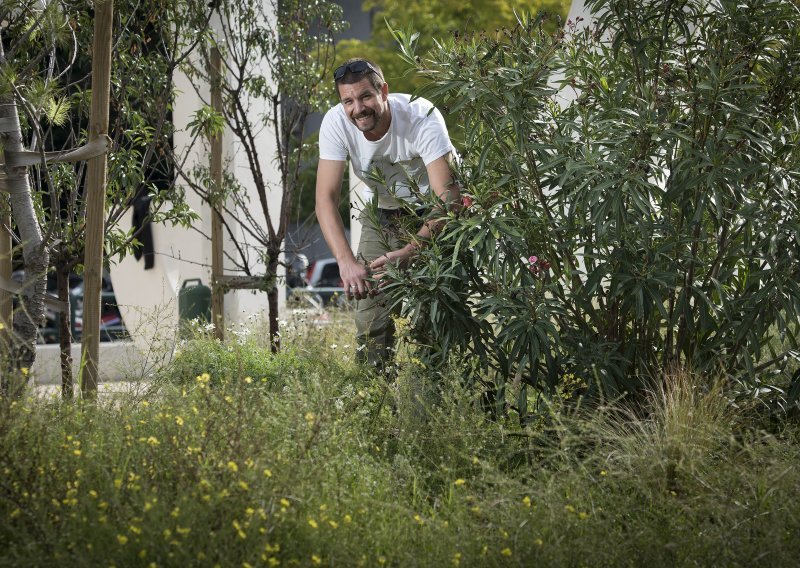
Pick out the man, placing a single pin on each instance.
(405, 143)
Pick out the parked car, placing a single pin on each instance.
(322, 282)
(111, 325)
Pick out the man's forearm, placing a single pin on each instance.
(333, 230)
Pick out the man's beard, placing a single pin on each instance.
(367, 125)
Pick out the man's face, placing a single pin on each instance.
(366, 107)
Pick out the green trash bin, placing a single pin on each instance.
(194, 302)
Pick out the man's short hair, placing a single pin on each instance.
(371, 71)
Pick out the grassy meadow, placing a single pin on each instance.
(232, 456)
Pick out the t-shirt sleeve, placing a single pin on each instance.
(434, 141)
(332, 145)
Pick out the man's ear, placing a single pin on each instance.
(385, 91)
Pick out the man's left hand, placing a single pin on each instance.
(399, 258)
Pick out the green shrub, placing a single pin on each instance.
(229, 361)
(648, 221)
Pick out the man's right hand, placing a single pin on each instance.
(354, 277)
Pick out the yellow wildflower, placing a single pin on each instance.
(232, 466)
(122, 539)
(506, 552)
(526, 501)
(267, 473)
(312, 523)
(459, 481)
(239, 531)
(316, 559)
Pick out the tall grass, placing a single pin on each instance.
(237, 457)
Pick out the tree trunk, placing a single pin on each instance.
(65, 333)
(272, 301)
(6, 299)
(34, 251)
(96, 198)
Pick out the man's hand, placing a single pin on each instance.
(354, 277)
(400, 257)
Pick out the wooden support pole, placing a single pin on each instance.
(217, 292)
(96, 197)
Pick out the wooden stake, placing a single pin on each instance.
(217, 292)
(96, 197)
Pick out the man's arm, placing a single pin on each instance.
(328, 194)
(446, 189)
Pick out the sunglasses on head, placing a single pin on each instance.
(356, 68)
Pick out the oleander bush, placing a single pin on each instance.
(629, 200)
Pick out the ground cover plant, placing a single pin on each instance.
(302, 458)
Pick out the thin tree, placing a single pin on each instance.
(276, 55)
(25, 89)
(151, 39)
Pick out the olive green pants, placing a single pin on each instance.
(374, 324)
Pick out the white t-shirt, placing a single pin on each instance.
(415, 138)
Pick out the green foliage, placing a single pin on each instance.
(630, 198)
(51, 73)
(435, 21)
(206, 122)
(222, 362)
(312, 466)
